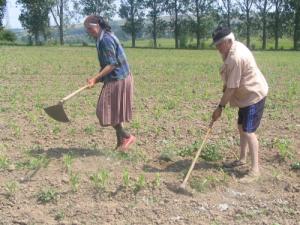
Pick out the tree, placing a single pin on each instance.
(201, 10)
(34, 17)
(104, 8)
(131, 11)
(295, 5)
(57, 11)
(156, 8)
(245, 6)
(176, 8)
(2, 11)
(263, 7)
(227, 8)
(278, 4)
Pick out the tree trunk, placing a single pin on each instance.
(61, 22)
(228, 13)
(176, 25)
(132, 27)
(198, 23)
(154, 32)
(297, 28)
(264, 20)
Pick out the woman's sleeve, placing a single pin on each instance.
(109, 52)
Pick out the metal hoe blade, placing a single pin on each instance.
(57, 112)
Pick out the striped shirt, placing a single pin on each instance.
(110, 52)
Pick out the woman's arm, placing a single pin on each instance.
(105, 71)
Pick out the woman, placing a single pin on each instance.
(115, 101)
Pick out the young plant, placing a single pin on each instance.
(284, 149)
(211, 153)
(11, 188)
(139, 184)
(100, 180)
(68, 160)
(47, 195)
(156, 182)
(74, 179)
(4, 162)
(126, 178)
(34, 163)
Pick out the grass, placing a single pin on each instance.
(256, 43)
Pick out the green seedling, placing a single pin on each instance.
(284, 150)
(11, 188)
(47, 195)
(126, 178)
(100, 180)
(68, 160)
(211, 153)
(74, 179)
(139, 184)
(4, 162)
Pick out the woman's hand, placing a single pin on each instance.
(91, 82)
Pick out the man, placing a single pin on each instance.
(244, 87)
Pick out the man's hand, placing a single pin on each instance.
(91, 82)
(216, 114)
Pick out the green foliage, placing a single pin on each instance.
(284, 148)
(47, 195)
(189, 150)
(34, 163)
(211, 152)
(100, 180)
(6, 35)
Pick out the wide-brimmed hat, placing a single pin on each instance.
(220, 34)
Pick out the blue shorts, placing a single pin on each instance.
(250, 116)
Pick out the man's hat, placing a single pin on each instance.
(220, 34)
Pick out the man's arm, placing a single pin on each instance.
(228, 93)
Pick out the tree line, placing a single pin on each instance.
(183, 18)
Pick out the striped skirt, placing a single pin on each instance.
(115, 102)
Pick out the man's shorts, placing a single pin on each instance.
(250, 116)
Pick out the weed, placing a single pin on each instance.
(89, 130)
(211, 153)
(56, 130)
(47, 195)
(100, 180)
(189, 150)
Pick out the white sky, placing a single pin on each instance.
(13, 11)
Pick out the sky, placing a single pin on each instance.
(11, 20)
